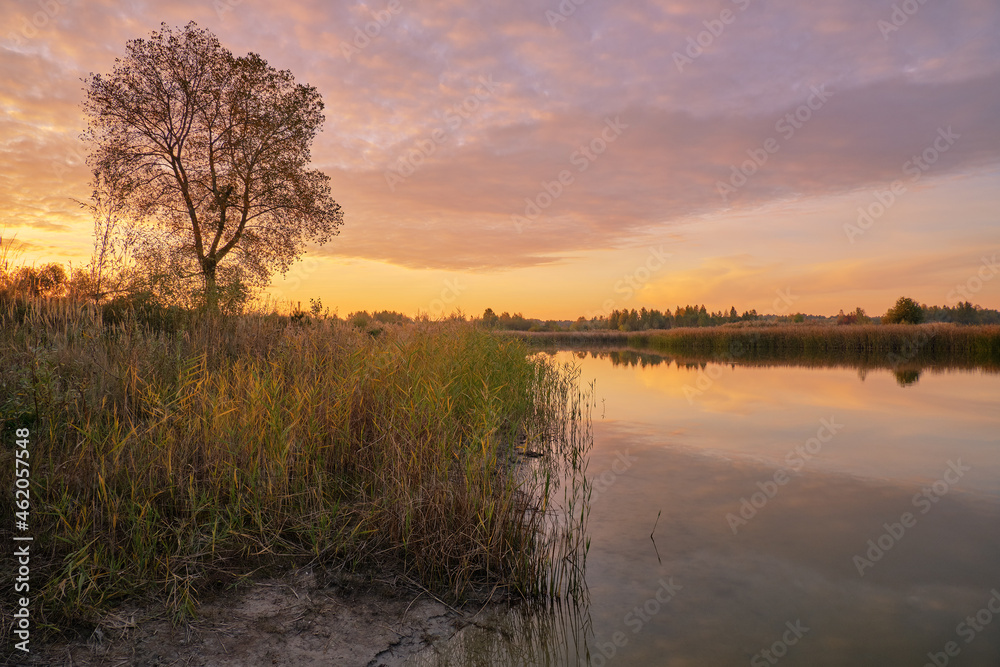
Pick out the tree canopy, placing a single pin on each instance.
(906, 311)
(208, 154)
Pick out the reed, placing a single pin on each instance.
(166, 462)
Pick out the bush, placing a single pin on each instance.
(857, 317)
(906, 311)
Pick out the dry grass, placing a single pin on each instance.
(163, 463)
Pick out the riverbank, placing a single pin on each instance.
(169, 462)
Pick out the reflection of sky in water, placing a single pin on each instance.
(889, 431)
(793, 560)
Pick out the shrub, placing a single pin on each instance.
(906, 311)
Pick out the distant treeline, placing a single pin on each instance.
(622, 320)
(963, 313)
(52, 280)
(643, 319)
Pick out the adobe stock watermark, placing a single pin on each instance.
(923, 501)
(363, 35)
(449, 293)
(779, 649)
(223, 7)
(635, 620)
(30, 26)
(974, 284)
(582, 158)
(709, 374)
(607, 479)
(795, 460)
(454, 117)
(786, 127)
(563, 11)
(900, 16)
(915, 168)
(73, 159)
(301, 271)
(634, 281)
(784, 301)
(714, 28)
(968, 629)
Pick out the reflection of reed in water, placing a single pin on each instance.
(527, 634)
(561, 525)
(554, 626)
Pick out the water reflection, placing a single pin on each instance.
(789, 558)
(516, 637)
(760, 411)
(906, 377)
(624, 357)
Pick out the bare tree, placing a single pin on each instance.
(212, 150)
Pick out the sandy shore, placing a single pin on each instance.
(295, 620)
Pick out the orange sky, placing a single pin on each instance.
(560, 163)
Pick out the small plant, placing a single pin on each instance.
(316, 308)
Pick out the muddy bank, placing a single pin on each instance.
(297, 620)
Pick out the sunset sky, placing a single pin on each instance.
(564, 158)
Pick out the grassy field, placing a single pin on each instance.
(166, 462)
(865, 346)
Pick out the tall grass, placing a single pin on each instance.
(165, 462)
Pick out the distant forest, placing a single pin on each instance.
(699, 316)
(645, 319)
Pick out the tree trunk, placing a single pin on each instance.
(211, 287)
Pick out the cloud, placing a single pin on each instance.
(664, 168)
